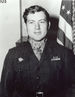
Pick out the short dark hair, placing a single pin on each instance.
(33, 9)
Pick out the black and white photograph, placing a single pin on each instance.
(37, 48)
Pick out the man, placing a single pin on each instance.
(39, 67)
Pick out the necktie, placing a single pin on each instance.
(38, 52)
(37, 47)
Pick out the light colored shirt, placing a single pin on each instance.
(37, 47)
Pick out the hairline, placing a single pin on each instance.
(33, 10)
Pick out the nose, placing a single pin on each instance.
(37, 26)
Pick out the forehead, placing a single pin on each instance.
(36, 16)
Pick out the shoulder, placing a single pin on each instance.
(63, 48)
(68, 53)
(20, 46)
(18, 50)
(59, 48)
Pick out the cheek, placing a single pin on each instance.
(44, 28)
(30, 28)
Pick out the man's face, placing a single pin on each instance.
(37, 25)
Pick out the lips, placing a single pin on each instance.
(37, 32)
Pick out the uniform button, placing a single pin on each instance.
(37, 77)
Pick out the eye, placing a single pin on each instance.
(31, 22)
(43, 21)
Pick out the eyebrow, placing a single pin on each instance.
(30, 20)
(39, 20)
(42, 20)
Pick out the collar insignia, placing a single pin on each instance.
(20, 59)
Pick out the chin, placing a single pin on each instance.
(38, 39)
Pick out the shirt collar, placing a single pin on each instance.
(35, 45)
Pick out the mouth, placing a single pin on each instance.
(37, 32)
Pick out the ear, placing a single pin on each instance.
(49, 24)
(26, 30)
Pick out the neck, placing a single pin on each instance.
(35, 41)
(37, 44)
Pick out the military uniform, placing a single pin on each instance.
(24, 76)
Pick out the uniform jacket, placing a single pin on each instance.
(23, 75)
